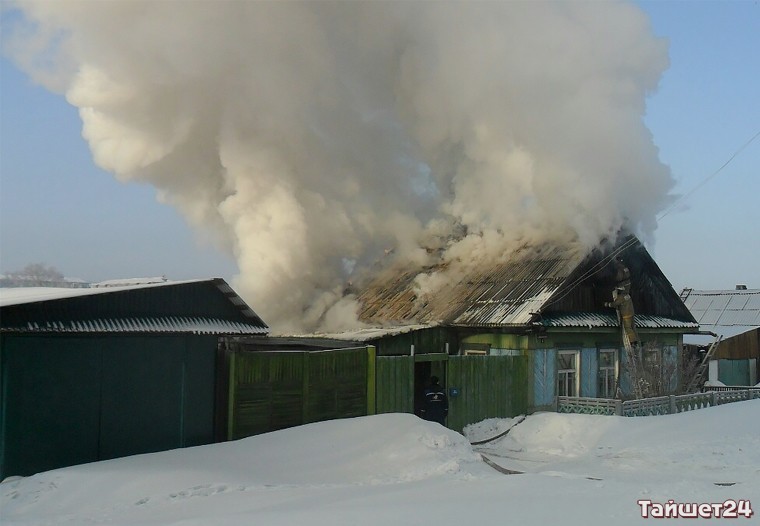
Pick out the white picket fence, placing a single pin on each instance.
(661, 405)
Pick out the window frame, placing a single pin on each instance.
(603, 375)
(562, 374)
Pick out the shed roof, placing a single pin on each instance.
(203, 306)
(22, 295)
(724, 312)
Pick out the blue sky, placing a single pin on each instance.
(58, 208)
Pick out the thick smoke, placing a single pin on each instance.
(314, 139)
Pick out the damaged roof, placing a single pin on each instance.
(500, 293)
(516, 290)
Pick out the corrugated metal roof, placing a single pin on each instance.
(195, 306)
(597, 319)
(496, 294)
(23, 295)
(720, 310)
(168, 324)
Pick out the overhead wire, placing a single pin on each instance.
(630, 242)
(712, 175)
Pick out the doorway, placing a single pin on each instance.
(423, 371)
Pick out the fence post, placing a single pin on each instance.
(749, 394)
(672, 405)
(619, 407)
(713, 398)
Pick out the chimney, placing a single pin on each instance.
(741, 287)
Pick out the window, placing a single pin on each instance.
(475, 349)
(567, 373)
(652, 358)
(608, 373)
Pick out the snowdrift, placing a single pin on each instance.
(397, 469)
(381, 449)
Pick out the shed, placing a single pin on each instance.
(734, 315)
(723, 312)
(97, 373)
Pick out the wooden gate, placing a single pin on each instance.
(483, 387)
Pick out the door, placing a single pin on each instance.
(483, 387)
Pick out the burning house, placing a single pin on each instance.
(339, 133)
(510, 335)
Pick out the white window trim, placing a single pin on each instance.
(576, 370)
(615, 367)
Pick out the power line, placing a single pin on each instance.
(706, 179)
(605, 260)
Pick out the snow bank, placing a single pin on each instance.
(488, 428)
(381, 449)
(553, 434)
(580, 470)
(716, 443)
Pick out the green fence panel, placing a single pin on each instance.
(275, 390)
(267, 392)
(337, 385)
(394, 376)
(487, 387)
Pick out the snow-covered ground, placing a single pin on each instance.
(397, 469)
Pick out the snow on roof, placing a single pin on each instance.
(372, 333)
(161, 324)
(129, 281)
(23, 295)
(598, 319)
(724, 312)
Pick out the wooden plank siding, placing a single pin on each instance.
(544, 377)
(336, 385)
(488, 387)
(394, 384)
(276, 390)
(740, 347)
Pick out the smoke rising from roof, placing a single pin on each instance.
(313, 137)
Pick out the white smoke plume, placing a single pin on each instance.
(313, 137)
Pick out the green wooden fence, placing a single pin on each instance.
(487, 387)
(484, 386)
(395, 384)
(275, 390)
